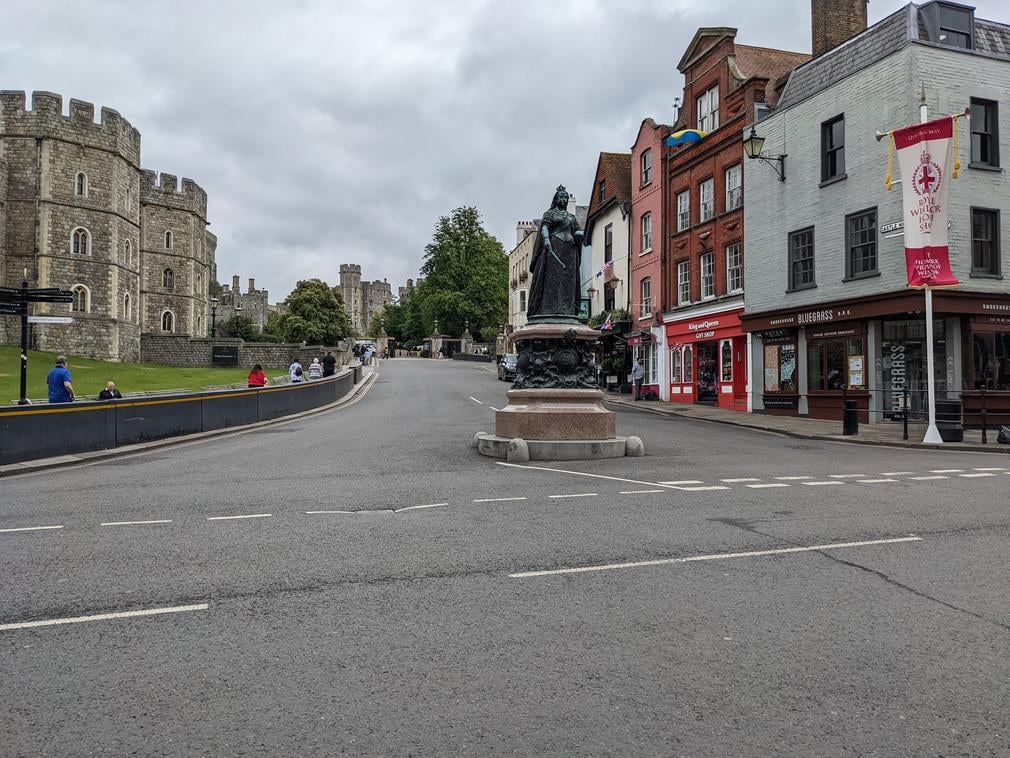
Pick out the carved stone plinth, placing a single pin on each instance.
(555, 356)
(555, 415)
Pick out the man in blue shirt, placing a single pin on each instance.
(60, 388)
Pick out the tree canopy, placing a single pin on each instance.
(315, 315)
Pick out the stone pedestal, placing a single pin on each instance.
(555, 414)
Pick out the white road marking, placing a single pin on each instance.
(639, 492)
(975, 476)
(994, 468)
(822, 484)
(493, 408)
(580, 494)
(714, 557)
(498, 499)
(682, 481)
(134, 523)
(31, 528)
(846, 476)
(580, 473)
(232, 518)
(476, 400)
(897, 473)
(927, 478)
(793, 478)
(104, 617)
(312, 513)
(419, 507)
(947, 471)
(767, 485)
(702, 489)
(876, 481)
(740, 481)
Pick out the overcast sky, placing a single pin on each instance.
(336, 132)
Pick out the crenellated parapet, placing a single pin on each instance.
(45, 118)
(165, 190)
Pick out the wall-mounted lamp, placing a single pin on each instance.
(752, 146)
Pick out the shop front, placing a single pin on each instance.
(645, 349)
(708, 360)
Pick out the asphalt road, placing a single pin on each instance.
(390, 592)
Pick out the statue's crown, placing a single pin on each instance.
(561, 188)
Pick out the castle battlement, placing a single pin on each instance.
(45, 119)
(350, 268)
(164, 189)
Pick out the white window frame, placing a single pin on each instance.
(708, 110)
(82, 288)
(645, 288)
(687, 361)
(646, 233)
(645, 166)
(651, 363)
(169, 239)
(75, 246)
(171, 316)
(683, 210)
(730, 249)
(683, 282)
(676, 366)
(706, 199)
(734, 191)
(706, 264)
(522, 301)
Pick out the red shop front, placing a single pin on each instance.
(708, 360)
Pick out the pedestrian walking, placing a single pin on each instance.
(315, 370)
(638, 375)
(60, 388)
(295, 372)
(110, 392)
(329, 364)
(257, 378)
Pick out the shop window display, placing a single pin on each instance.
(833, 363)
(991, 360)
(780, 368)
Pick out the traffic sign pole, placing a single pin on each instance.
(23, 400)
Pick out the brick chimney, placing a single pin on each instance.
(834, 21)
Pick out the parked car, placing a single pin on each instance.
(507, 368)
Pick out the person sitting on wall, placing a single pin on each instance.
(256, 377)
(60, 388)
(110, 392)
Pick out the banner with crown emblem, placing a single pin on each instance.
(924, 155)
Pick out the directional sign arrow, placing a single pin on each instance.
(50, 320)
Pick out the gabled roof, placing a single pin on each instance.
(765, 62)
(703, 40)
(614, 169)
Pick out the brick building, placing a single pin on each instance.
(77, 212)
(727, 86)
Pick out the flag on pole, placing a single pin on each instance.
(608, 271)
(608, 324)
(924, 156)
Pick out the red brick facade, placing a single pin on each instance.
(647, 203)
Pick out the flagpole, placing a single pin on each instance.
(932, 433)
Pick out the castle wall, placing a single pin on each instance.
(4, 320)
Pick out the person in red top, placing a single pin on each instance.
(256, 377)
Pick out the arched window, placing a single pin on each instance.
(80, 242)
(168, 240)
(81, 184)
(128, 253)
(127, 308)
(199, 325)
(168, 279)
(168, 321)
(82, 299)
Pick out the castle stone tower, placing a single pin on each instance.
(350, 290)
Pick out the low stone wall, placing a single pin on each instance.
(180, 350)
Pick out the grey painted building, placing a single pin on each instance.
(826, 300)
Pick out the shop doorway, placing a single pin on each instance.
(904, 366)
(707, 387)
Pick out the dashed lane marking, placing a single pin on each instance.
(137, 523)
(234, 518)
(897, 473)
(994, 468)
(313, 513)
(876, 481)
(740, 481)
(793, 478)
(579, 494)
(975, 476)
(947, 471)
(714, 557)
(420, 507)
(493, 408)
(104, 617)
(702, 489)
(682, 481)
(476, 400)
(822, 484)
(639, 492)
(767, 485)
(31, 528)
(498, 499)
(928, 478)
(847, 476)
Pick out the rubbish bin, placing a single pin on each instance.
(850, 418)
(948, 420)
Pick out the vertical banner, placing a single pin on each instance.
(924, 156)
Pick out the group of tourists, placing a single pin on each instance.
(320, 368)
(61, 387)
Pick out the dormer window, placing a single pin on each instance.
(950, 25)
(708, 110)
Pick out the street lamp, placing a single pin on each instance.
(752, 146)
(591, 292)
(213, 317)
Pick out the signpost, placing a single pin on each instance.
(14, 302)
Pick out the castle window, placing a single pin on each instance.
(168, 279)
(168, 240)
(80, 242)
(168, 321)
(127, 312)
(81, 185)
(129, 253)
(82, 299)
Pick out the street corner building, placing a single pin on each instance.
(78, 212)
(828, 307)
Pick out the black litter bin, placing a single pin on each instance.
(948, 420)
(850, 418)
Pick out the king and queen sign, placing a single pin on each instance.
(924, 152)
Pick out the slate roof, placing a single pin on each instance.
(765, 62)
(884, 38)
(615, 170)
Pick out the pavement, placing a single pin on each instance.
(363, 582)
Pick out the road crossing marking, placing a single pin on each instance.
(793, 478)
(897, 473)
(975, 476)
(137, 523)
(639, 492)
(822, 484)
(767, 485)
(740, 481)
(928, 478)
(995, 468)
(579, 473)
(682, 481)
(846, 476)
(947, 471)
(876, 481)
(233, 518)
(714, 557)
(104, 617)
(31, 528)
(580, 494)
(498, 499)
(703, 489)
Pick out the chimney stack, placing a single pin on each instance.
(835, 21)
(235, 284)
(252, 285)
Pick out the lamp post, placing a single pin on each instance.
(213, 317)
(591, 292)
(752, 147)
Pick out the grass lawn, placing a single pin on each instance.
(89, 376)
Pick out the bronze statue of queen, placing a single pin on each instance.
(556, 287)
